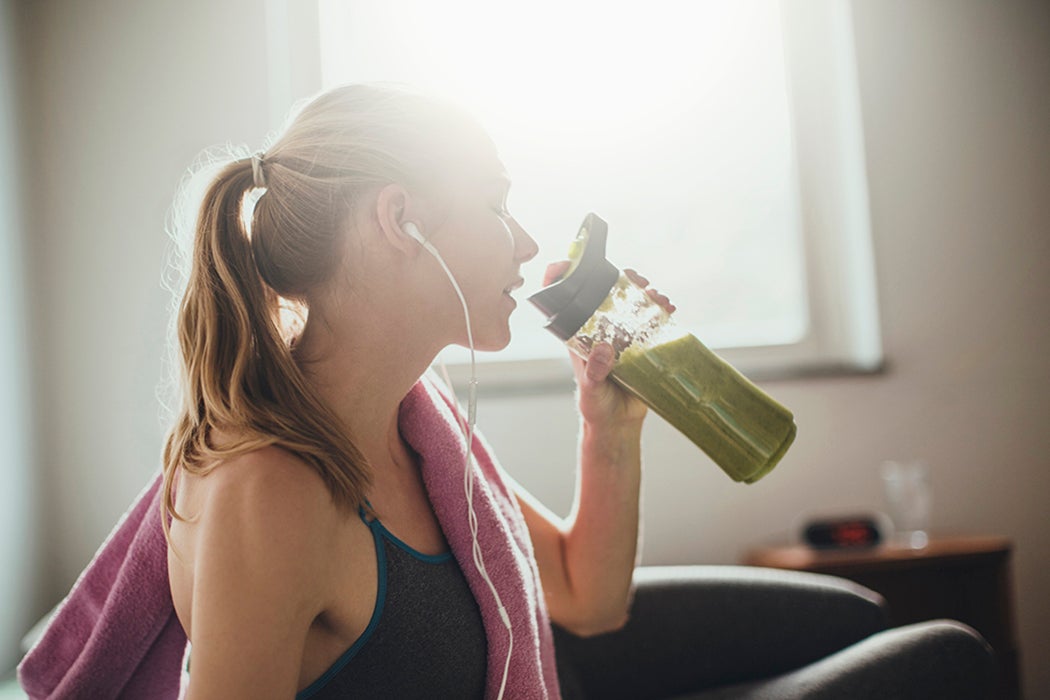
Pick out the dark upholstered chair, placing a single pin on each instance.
(713, 633)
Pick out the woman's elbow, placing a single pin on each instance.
(592, 623)
(607, 625)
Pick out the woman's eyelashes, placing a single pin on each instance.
(501, 208)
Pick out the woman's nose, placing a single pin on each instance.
(525, 246)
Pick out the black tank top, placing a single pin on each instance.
(425, 638)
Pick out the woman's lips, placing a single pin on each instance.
(516, 284)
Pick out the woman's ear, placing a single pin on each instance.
(393, 211)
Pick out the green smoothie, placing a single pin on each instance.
(740, 427)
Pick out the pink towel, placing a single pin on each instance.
(428, 424)
(116, 634)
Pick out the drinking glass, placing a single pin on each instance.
(906, 485)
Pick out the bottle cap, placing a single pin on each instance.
(573, 299)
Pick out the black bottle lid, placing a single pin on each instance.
(573, 299)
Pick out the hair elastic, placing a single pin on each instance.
(258, 176)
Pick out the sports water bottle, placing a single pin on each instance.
(738, 425)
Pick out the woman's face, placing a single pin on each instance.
(484, 247)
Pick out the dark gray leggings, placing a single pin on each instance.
(713, 633)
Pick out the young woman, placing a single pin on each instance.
(305, 553)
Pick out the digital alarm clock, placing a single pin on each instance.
(842, 533)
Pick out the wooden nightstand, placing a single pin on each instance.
(962, 578)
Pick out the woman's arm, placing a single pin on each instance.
(258, 557)
(586, 561)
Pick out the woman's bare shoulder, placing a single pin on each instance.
(269, 497)
(258, 565)
(264, 511)
(269, 476)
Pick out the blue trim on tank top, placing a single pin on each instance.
(428, 558)
(379, 534)
(377, 612)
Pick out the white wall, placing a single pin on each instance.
(954, 98)
(19, 534)
(124, 96)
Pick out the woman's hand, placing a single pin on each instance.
(602, 402)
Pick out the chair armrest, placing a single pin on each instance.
(693, 627)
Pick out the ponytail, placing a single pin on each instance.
(238, 372)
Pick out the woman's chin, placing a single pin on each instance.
(492, 345)
(493, 342)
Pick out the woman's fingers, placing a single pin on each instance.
(655, 295)
(635, 277)
(554, 271)
(600, 362)
(662, 300)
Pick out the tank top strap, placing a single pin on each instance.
(381, 535)
(370, 520)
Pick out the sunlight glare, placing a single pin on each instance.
(669, 119)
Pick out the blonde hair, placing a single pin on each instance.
(237, 371)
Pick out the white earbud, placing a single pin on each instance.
(413, 231)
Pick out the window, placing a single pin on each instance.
(720, 140)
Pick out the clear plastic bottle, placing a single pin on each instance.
(743, 429)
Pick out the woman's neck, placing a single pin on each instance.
(362, 375)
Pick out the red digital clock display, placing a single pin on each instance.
(842, 533)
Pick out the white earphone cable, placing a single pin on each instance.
(468, 472)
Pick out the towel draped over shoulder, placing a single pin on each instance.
(116, 635)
